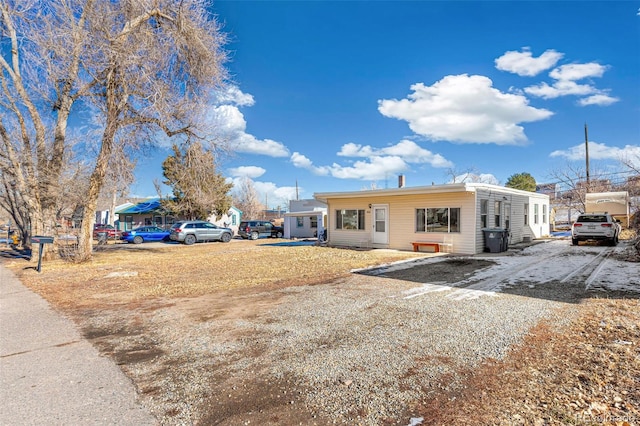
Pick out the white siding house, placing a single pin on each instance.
(305, 219)
(231, 219)
(454, 214)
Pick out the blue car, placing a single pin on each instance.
(145, 233)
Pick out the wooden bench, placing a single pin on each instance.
(435, 244)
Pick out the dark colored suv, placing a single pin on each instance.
(254, 229)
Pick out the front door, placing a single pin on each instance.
(380, 224)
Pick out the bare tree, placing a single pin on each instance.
(145, 66)
(246, 199)
(573, 185)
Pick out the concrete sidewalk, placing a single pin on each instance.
(49, 374)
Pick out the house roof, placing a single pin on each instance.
(432, 189)
(151, 205)
(310, 213)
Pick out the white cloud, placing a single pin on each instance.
(275, 196)
(599, 99)
(578, 71)
(408, 150)
(251, 172)
(376, 168)
(379, 163)
(560, 88)
(231, 127)
(465, 109)
(524, 64)
(233, 95)
(565, 77)
(477, 178)
(598, 151)
(303, 162)
(269, 193)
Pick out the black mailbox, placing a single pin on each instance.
(42, 240)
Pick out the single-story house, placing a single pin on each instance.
(145, 213)
(151, 212)
(230, 219)
(452, 214)
(305, 219)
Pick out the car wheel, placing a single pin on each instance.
(278, 234)
(226, 237)
(254, 235)
(189, 239)
(574, 241)
(137, 239)
(613, 242)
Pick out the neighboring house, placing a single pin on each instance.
(145, 213)
(231, 219)
(455, 214)
(305, 219)
(151, 212)
(103, 217)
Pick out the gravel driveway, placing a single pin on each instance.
(366, 350)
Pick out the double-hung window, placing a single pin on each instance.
(350, 219)
(497, 206)
(443, 219)
(484, 210)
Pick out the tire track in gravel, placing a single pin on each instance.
(589, 270)
(488, 287)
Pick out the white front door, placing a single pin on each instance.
(380, 218)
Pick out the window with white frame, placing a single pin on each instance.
(484, 211)
(350, 219)
(299, 221)
(544, 213)
(314, 221)
(535, 213)
(526, 213)
(497, 206)
(443, 219)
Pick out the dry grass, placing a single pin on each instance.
(169, 271)
(586, 374)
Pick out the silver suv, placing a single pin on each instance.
(192, 231)
(595, 226)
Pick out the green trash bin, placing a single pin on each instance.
(495, 240)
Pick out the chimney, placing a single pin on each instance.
(401, 181)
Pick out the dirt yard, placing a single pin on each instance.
(261, 333)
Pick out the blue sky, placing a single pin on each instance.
(341, 96)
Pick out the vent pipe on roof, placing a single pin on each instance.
(401, 181)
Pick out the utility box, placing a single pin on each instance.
(496, 240)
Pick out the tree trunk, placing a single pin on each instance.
(114, 104)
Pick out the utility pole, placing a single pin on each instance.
(586, 150)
